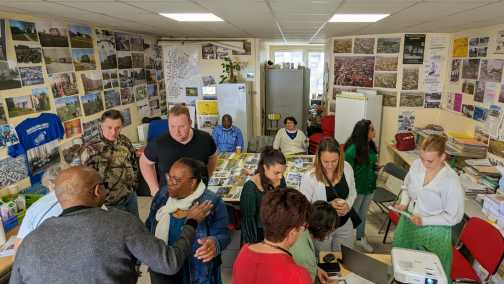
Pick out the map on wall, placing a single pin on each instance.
(181, 70)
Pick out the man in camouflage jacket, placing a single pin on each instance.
(112, 155)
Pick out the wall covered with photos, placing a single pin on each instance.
(75, 71)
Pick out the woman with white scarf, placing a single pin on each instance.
(186, 186)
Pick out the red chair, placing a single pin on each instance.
(485, 244)
(327, 125)
(393, 219)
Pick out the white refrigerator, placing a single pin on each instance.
(235, 100)
(352, 107)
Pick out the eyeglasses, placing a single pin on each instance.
(176, 180)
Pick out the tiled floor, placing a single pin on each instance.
(374, 221)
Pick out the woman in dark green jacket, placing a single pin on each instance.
(361, 153)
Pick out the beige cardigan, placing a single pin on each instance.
(288, 145)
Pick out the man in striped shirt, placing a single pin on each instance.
(226, 136)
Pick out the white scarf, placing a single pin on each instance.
(172, 205)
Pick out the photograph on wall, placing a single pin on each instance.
(125, 78)
(385, 80)
(389, 98)
(468, 110)
(9, 76)
(83, 59)
(42, 157)
(140, 93)
(137, 43)
(3, 43)
(450, 100)
(501, 95)
(432, 74)
(460, 47)
(364, 45)
(343, 45)
(414, 45)
(479, 91)
(410, 78)
(150, 75)
(23, 31)
(106, 49)
(17, 106)
(143, 108)
(52, 34)
(112, 98)
(92, 103)
(470, 69)
(92, 81)
(110, 79)
(207, 122)
(222, 52)
(457, 104)
(152, 90)
(455, 70)
(149, 55)
(208, 51)
(473, 47)
(388, 45)
(468, 87)
(28, 53)
(127, 116)
(432, 100)
(191, 91)
(122, 41)
(354, 71)
(80, 36)
(499, 42)
(406, 120)
(63, 84)
(491, 70)
(478, 47)
(68, 107)
(57, 59)
(154, 105)
(490, 95)
(40, 99)
(386, 63)
(90, 129)
(3, 116)
(411, 99)
(31, 75)
(73, 128)
(137, 59)
(127, 96)
(8, 135)
(124, 60)
(138, 76)
(247, 46)
(492, 123)
(12, 170)
(480, 113)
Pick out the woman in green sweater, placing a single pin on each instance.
(268, 176)
(361, 153)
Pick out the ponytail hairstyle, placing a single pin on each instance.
(361, 141)
(198, 169)
(434, 143)
(269, 157)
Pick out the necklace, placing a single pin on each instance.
(278, 247)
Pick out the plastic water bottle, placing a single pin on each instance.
(2, 233)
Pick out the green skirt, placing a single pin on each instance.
(435, 239)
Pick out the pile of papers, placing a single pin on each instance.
(469, 147)
(493, 206)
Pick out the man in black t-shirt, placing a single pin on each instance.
(180, 141)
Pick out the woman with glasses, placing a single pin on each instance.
(186, 186)
(361, 153)
(322, 222)
(332, 180)
(268, 177)
(284, 214)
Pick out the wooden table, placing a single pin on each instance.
(385, 258)
(7, 261)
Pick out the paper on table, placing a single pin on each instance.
(8, 248)
(350, 278)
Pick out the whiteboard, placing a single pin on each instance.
(349, 110)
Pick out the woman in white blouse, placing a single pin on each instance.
(290, 140)
(332, 180)
(434, 197)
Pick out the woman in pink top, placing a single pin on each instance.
(283, 215)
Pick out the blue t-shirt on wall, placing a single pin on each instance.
(38, 137)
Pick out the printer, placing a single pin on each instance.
(417, 267)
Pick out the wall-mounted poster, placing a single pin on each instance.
(468, 87)
(57, 59)
(364, 46)
(52, 34)
(28, 53)
(406, 121)
(354, 71)
(10, 78)
(479, 91)
(460, 47)
(501, 95)
(389, 98)
(385, 80)
(3, 47)
(343, 45)
(470, 68)
(499, 43)
(491, 70)
(23, 31)
(410, 78)
(388, 45)
(432, 100)
(414, 45)
(106, 49)
(386, 63)
(411, 99)
(81, 36)
(455, 70)
(40, 98)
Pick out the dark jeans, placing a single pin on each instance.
(158, 278)
(128, 204)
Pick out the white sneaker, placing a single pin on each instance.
(363, 243)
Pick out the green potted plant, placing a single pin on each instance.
(228, 68)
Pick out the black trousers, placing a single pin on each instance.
(158, 278)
